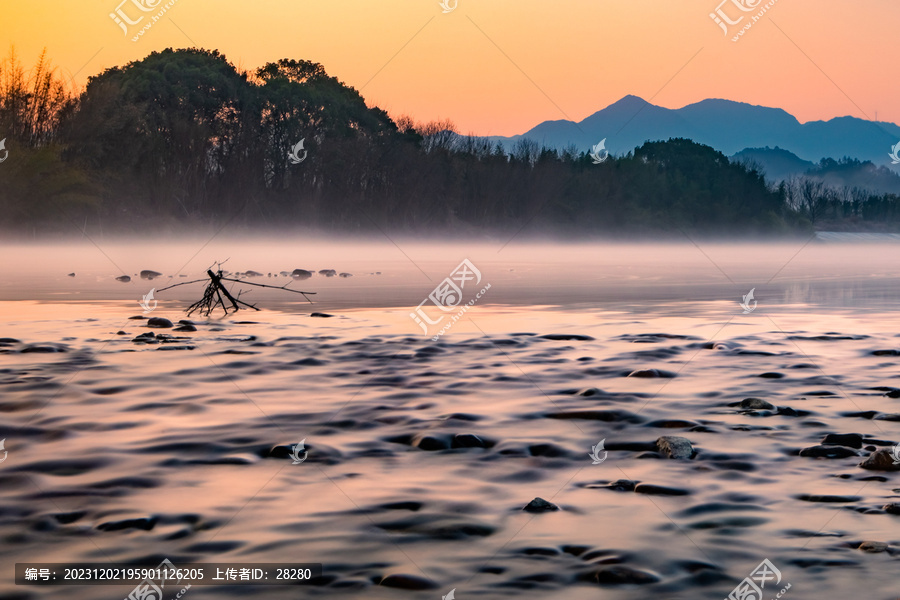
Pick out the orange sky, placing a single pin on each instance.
(498, 67)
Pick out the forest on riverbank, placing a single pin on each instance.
(182, 138)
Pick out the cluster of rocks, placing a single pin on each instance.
(845, 445)
(163, 323)
(162, 338)
(151, 338)
(306, 274)
(299, 274)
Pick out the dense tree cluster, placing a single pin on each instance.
(182, 137)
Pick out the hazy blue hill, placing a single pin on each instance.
(778, 164)
(632, 121)
(555, 134)
(725, 125)
(847, 136)
(730, 126)
(626, 124)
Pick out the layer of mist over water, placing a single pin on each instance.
(421, 453)
(836, 275)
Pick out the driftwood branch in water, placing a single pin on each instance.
(214, 292)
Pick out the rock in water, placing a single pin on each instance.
(252, 273)
(880, 460)
(674, 447)
(851, 440)
(540, 505)
(328, 272)
(159, 323)
(827, 451)
(146, 338)
(345, 275)
(321, 315)
(756, 404)
(895, 417)
(430, 442)
(467, 440)
(622, 485)
(622, 575)
(71, 274)
(659, 490)
(873, 547)
(651, 374)
(148, 274)
(123, 278)
(299, 274)
(589, 392)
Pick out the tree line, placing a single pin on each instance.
(822, 202)
(182, 138)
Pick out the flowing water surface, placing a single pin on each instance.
(422, 453)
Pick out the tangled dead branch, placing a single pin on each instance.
(216, 294)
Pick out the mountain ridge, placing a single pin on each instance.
(729, 126)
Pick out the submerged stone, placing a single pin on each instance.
(873, 547)
(621, 575)
(651, 374)
(659, 490)
(676, 447)
(540, 505)
(880, 460)
(828, 452)
(757, 404)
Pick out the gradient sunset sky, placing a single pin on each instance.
(499, 67)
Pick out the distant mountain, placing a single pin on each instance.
(723, 124)
(778, 163)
